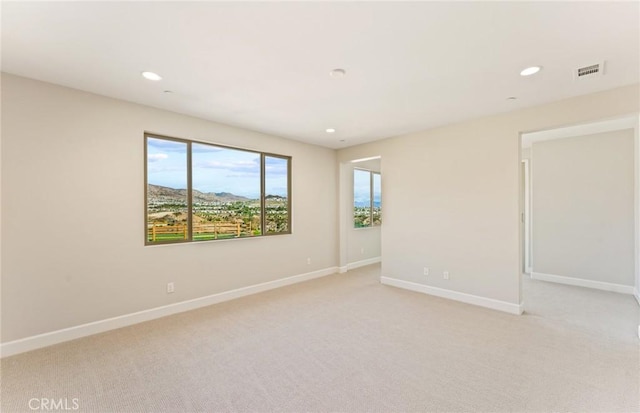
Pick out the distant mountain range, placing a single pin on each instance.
(159, 193)
(376, 204)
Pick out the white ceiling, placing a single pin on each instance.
(265, 66)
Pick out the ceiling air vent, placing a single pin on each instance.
(588, 72)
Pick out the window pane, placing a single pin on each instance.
(166, 190)
(377, 197)
(276, 187)
(361, 198)
(226, 192)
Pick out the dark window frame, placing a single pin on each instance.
(189, 166)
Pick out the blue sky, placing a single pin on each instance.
(362, 188)
(215, 169)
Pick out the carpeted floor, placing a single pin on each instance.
(347, 343)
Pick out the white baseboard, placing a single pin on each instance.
(637, 295)
(54, 337)
(528, 270)
(580, 282)
(455, 295)
(342, 270)
(358, 264)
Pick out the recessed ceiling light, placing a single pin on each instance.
(530, 71)
(330, 130)
(337, 73)
(151, 76)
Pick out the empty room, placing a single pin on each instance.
(320, 206)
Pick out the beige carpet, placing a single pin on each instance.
(609, 314)
(340, 343)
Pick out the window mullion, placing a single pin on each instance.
(263, 202)
(189, 195)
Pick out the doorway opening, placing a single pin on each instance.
(360, 212)
(579, 224)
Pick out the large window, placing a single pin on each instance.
(197, 191)
(367, 193)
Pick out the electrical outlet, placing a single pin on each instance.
(445, 275)
(426, 270)
(362, 250)
(170, 288)
(308, 261)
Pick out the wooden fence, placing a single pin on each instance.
(215, 228)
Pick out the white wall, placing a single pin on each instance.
(363, 243)
(73, 212)
(583, 207)
(455, 197)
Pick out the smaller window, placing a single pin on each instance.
(367, 195)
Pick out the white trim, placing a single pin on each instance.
(580, 282)
(528, 270)
(455, 295)
(626, 122)
(527, 214)
(71, 333)
(636, 172)
(342, 270)
(370, 158)
(362, 263)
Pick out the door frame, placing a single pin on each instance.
(526, 163)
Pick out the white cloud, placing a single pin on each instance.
(155, 157)
(231, 165)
